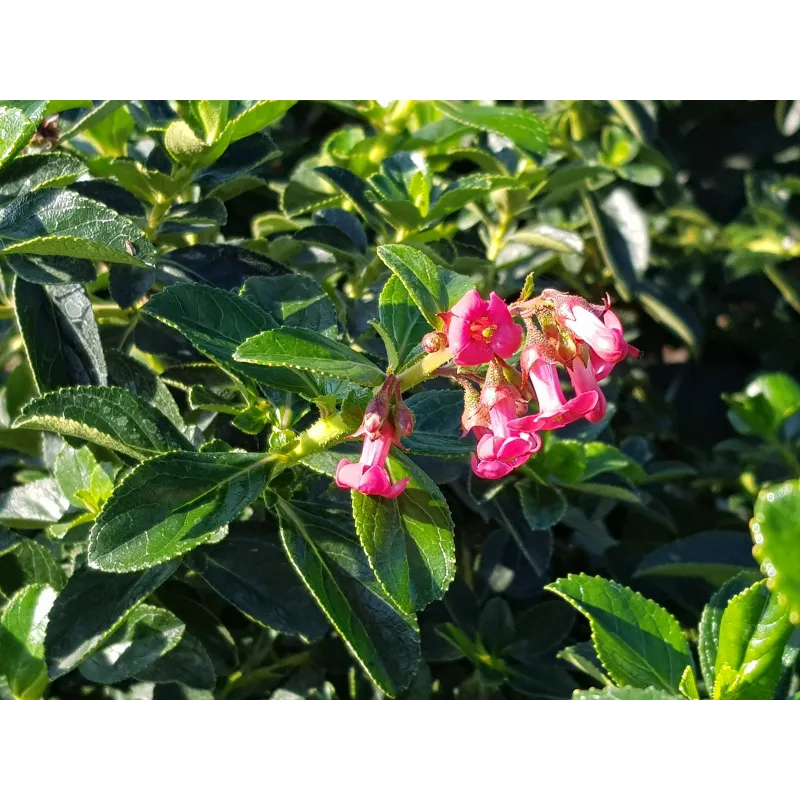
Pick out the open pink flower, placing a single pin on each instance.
(584, 381)
(369, 475)
(555, 410)
(501, 450)
(477, 329)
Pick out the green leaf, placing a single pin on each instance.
(437, 425)
(355, 190)
(60, 222)
(715, 556)
(133, 375)
(146, 634)
(583, 658)
(170, 505)
(22, 632)
(42, 171)
(521, 126)
(688, 685)
(34, 561)
(60, 335)
(84, 482)
(460, 193)
(638, 642)
(620, 228)
(624, 693)
(541, 629)
(402, 320)
(305, 350)
(296, 301)
(542, 505)
(496, 626)
(16, 130)
(765, 404)
(421, 278)
(90, 608)
(146, 184)
(257, 117)
(409, 539)
(93, 117)
(550, 238)
(33, 505)
(708, 629)
(216, 322)
(402, 189)
(187, 663)
(668, 309)
(753, 633)
(775, 527)
(52, 269)
(250, 570)
(336, 572)
(602, 457)
(105, 415)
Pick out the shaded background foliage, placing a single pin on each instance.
(686, 212)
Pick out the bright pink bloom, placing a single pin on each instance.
(369, 475)
(501, 450)
(555, 410)
(478, 329)
(607, 342)
(584, 381)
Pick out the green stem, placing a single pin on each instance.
(784, 286)
(329, 431)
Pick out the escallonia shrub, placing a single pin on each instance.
(282, 415)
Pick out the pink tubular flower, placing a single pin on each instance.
(478, 329)
(501, 450)
(584, 381)
(555, 410)
(369, 475)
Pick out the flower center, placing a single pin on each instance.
(482, 329)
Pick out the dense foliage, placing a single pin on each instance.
(209, 307)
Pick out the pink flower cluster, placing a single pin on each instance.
(562, 329)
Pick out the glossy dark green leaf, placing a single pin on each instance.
(223, 265)
(402, 319)
(60, 334)
(753, 633)
(311, 352)
(52, 269)
(355, 190)
(708, 629)
(542, 505)
(94, 117)
(639, 643)
(106, 415)
(620, 228)
(187, 663)
(34, 564)
(409, 539)
(602, 457)
(128, 284)
(90, 608)
(146, 634)
(22, 631)
(716, 556)
(82, 479)
(517, 124)
(296, 301)
(583, 658)
(16, 130)
(421, 278)
(550, 238)
(496, 626)
(250, 570)
(131, 374)
(216, 322)
(261, 114)
(461, 193)
(335, 570)
(541, 629)
(668, 309)
(437, 425)
(41, 171)
(775, 526)
(33, 505)
(170, 505)
(60, 222)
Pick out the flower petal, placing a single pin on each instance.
(512, 448)
(397, 488)
(471, 305)
(490, 470)
(488, 447)
(375, 481)
(473, 354)
(348, 476)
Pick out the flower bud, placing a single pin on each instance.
(434, 341)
